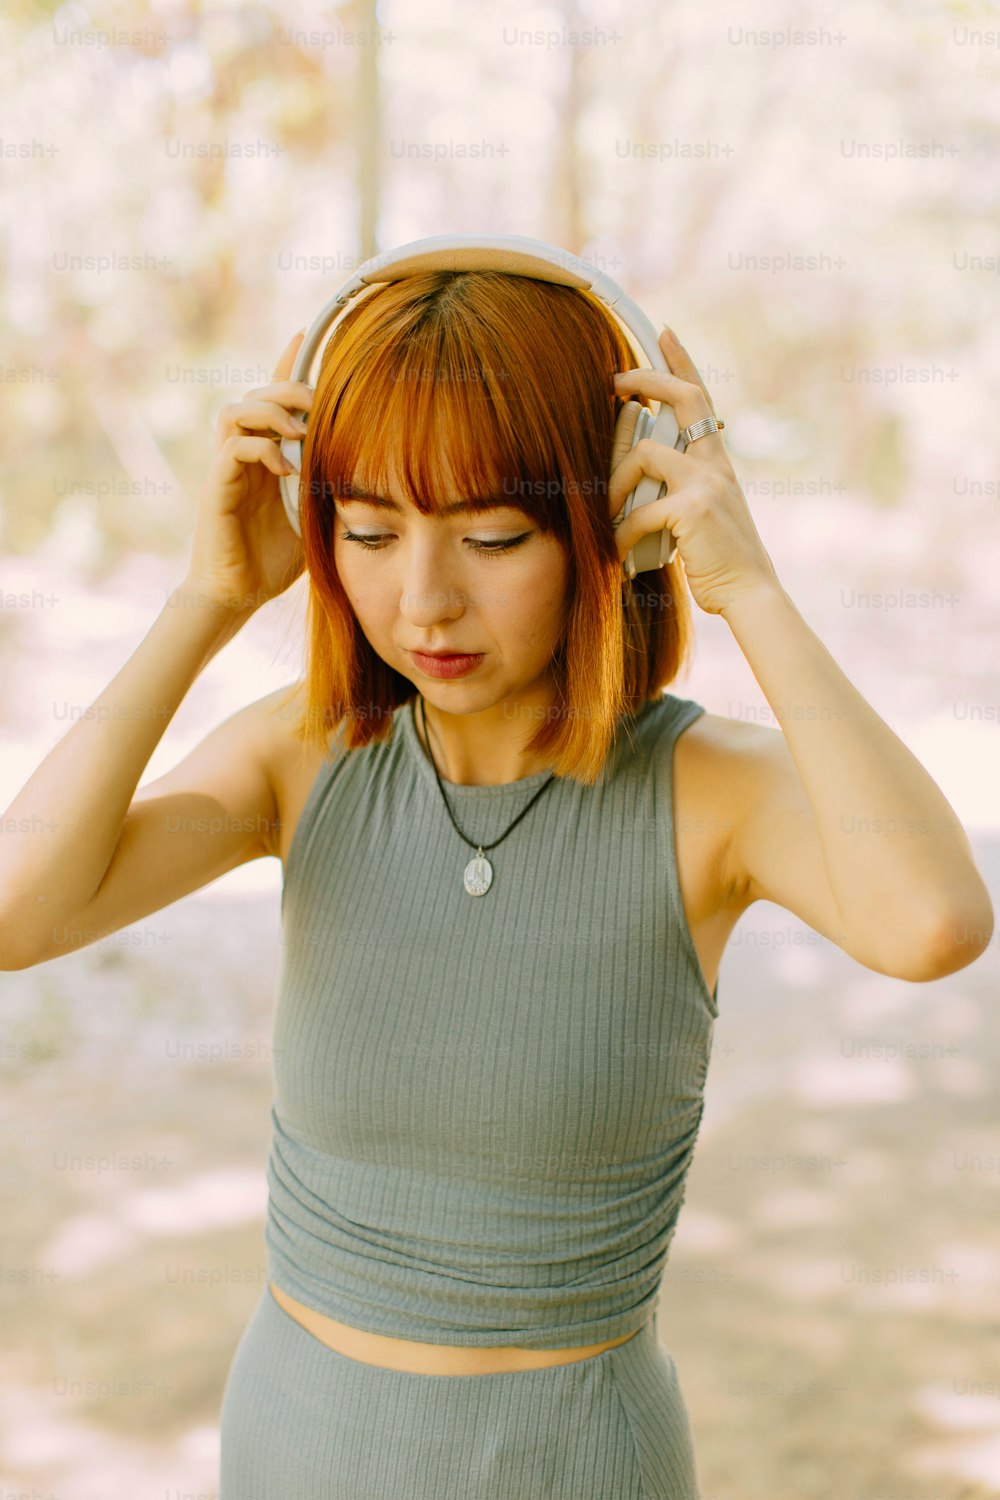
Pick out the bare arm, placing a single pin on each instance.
(67, 820)
(843, 825)
(86, 855)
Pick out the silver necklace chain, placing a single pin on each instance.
(478, 872)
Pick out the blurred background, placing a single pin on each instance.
(809, 197)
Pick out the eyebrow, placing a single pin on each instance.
(478, 503)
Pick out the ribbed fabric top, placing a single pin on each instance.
(485, 1107)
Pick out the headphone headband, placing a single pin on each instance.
(512, 253)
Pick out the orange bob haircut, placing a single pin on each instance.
(504, 383)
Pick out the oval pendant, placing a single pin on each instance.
(478, 876)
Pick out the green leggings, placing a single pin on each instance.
(301, 1420)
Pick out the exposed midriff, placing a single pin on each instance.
(417, 1358)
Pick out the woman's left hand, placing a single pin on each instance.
(723, 555)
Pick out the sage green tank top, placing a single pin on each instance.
(486, 1107)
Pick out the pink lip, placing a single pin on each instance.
(446, 664)
(415, 652)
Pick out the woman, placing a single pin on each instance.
(486, 1108)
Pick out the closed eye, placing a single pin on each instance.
(376, 541)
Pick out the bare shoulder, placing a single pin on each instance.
(727, 741)
(279, 710)
(273, 718)
(715, 761)
(291, 766)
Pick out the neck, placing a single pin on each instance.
(484, 749)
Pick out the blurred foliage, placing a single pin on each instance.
(221, 147)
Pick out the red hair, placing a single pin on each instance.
(510, 377)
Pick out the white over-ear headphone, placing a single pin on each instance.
(519, 256)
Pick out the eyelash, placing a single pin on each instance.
(491, 549)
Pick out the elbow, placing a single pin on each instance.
(951, 942)
(13, 952)
(10, 962)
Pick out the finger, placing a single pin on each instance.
(645, 458)
(257, 450)
(293, 394)
(646, 521)
(689, 401)
(682, 364)
(286, 363)
(240, 451)
(258, 416)
(688, 398)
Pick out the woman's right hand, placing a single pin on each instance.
(245, 551)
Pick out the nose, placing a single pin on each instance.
(430, 589)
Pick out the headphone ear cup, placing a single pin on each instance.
(288, 484)
(635, 422)
(631, 426)
(625, 436)
(628, 430)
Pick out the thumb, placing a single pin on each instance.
(286, 363)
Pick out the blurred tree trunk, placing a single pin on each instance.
(567, 228)
(369, 132)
